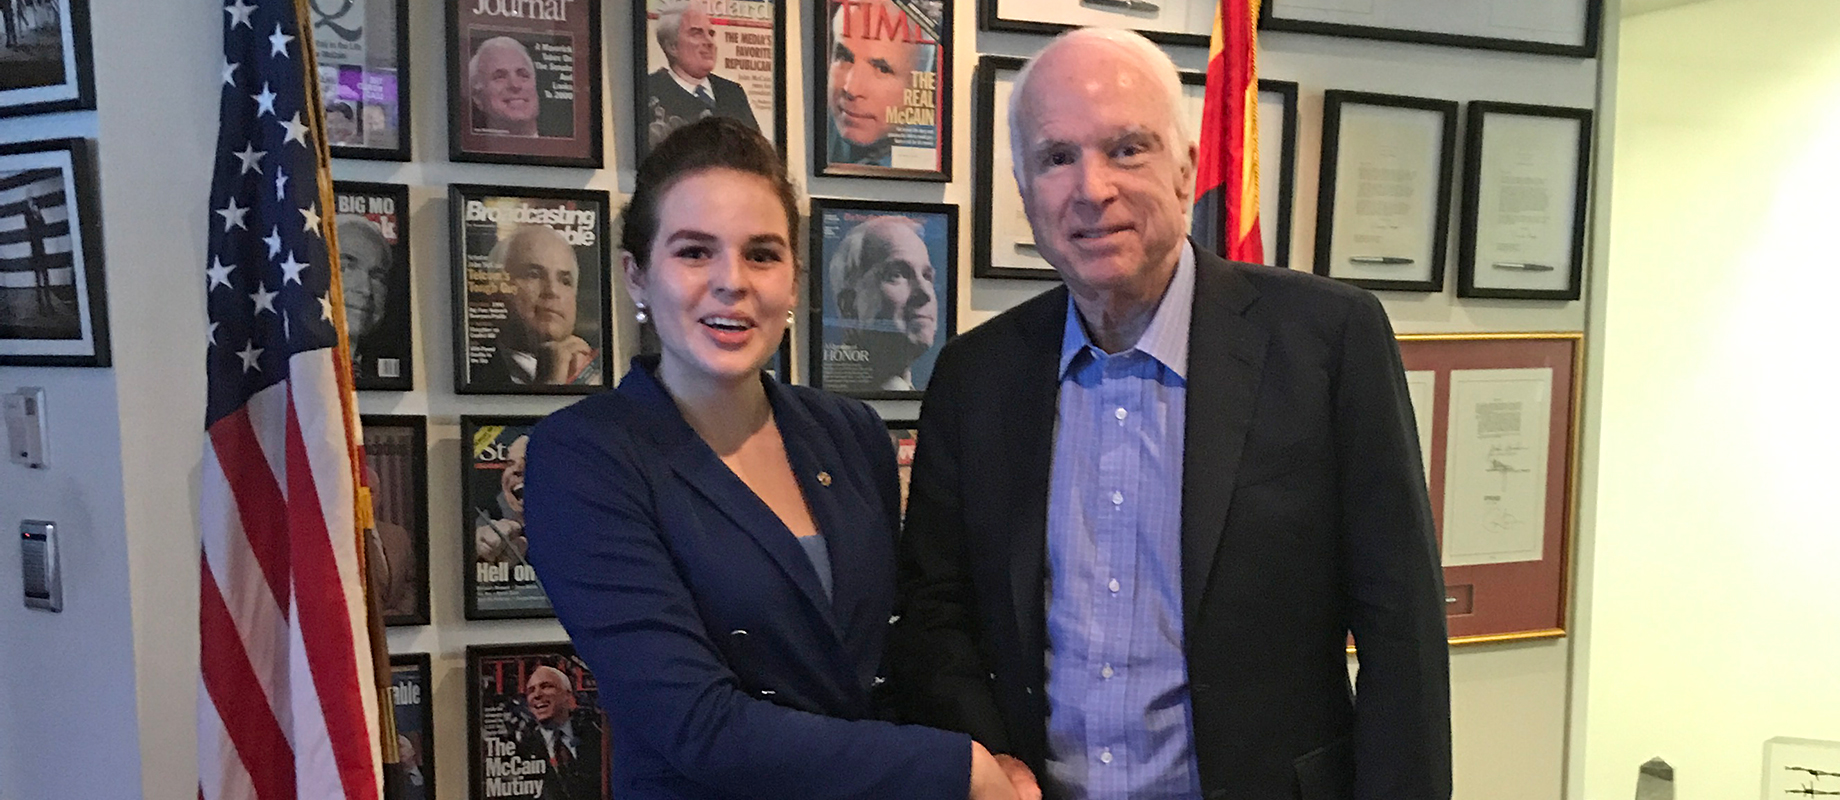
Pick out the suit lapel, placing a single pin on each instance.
(811, 450)
(1029, 410)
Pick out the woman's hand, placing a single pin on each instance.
(1020, 777)
(989, 780)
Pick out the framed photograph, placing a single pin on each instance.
(499, 582)
(905, 436)
(53, 309)
(1551, 27)
(1178, 22)
(396, 470)
(883, 295)
(1383, 201)
(531, 305)
(1526, 186)
(45, 65)
(534, 725)
(373, 237)
(1498, 426)
(707, 58)
(412, 698)
(524, 82)
(362, 48)
(883, 69)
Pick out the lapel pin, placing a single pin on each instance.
(824, 479)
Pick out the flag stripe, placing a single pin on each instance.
(259, 503)
(221, 775)
(1226, 217)
(260, 744)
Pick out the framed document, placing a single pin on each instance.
(1553, 27)
(883, 295)
(702, 58)
(396, 470)
(1498, 423)
(531, 305)
(412, 698)
(524, 82)
(362, 49)
(45, 65)
(499, 581)
(905, 436)
(1277, 168)
(515, 693)
(1796, 767)
(1178, 22)
(1526, 184)
(883, 70)
(53, 310)
(1383, 201)
(373, 236)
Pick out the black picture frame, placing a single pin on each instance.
(369, 215)
(942, 248)
(642, 50)
(414, 707)
(69, 327)
(328, 27)
(507, 569)
(31, 88)
(990, 18)
(1334, 101)
(409, 514)
(1475, 142)
(583, 143)
(822, 131)
(491, 670)
(1270, 20)
(592, 293)
(1287, 172)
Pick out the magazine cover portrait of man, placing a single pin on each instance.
(708, 58)
(882, 290)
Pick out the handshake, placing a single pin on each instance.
(1000, 777)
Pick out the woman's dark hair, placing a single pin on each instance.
(709, 143)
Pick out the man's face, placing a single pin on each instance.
(542, 269)
(366, 272)
(695, 53)
(505, 87)
(341, 127)
(549, 700)
(900, 287)
(511, 481)
(868, 73)
(1104, 187)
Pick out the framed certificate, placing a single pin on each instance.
(881, 95)
(46, 65)
(53, 310)
(1552, 27)
(363, 54)
(499, 582)
(883, 295)
(1178, 22)
(1383, 201)
(412, 699)
(396, 470)
(524, 82)
(698, 58)
(514, 694)
(373, 237)
(1498, 424)
(1526, 184)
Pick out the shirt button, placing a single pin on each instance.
(1105, 756)
(1106, 671)
(1117, 498)
(1121, 414)
(1113, 585)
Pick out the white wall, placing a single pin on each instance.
(1714, 599)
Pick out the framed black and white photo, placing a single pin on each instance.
(362, 48)
(1177, 22)
(396, 470)
(1383, 201)
(531, 306)
(513, 693)
(52, 303)
(524, 82)
(499, 582)
(702, 58)
(882, 89)
(883, 295)
(45, 64)
(373, 237)
(1526, 183)
(1551, 27)
(412, 699)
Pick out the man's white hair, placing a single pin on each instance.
(670, 21)
(494, 43)
(1151, 57)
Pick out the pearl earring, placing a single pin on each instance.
(642, 315)
(791, 316)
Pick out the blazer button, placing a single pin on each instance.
(824, 479)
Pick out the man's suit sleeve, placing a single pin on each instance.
(1393, 574)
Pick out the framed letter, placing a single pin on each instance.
(1526, 175)
(1551, 27)
(1178, 22)
(1383, 201)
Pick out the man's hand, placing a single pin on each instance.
(560, 361)
(990, 781)
(1021, 778)
(499, 541)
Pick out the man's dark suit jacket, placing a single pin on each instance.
(669, 101)
(582, 778)
(1304, 518)
(725, 671)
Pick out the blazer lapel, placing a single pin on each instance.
(1030, 409)
(811, 450)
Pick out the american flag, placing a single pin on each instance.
(287, 697)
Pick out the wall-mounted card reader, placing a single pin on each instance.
(38, 551)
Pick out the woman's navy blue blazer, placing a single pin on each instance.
(724, 669)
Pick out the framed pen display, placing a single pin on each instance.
(362, 50)
(882, 89)
(1551, 27)
(524, 82)
(905, 436)
(884, 280)
(499, 582)
(703, 58)
(520, 698)
(373, 237)
(53, 310)
(1526, 183)
(396, 470)
(1178, 22)
(412, 699)
(531, 306)
(1498, 418)
(1383, 201)
(46, 64)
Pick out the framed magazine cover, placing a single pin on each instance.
(524, 82)
(532, 311)
(883, 72)
(362, 49)
(45, 65)
(498, 581)
(884, 295)
(412, 698)
(396, 470)
(516, 691)
(53, 308)
(733, 53)
(372, 220)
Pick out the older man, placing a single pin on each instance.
(537, 342)
(686, 89)
(1149, 507)
(875, 49)
(503, 82)
(884, 301)
(566, 736)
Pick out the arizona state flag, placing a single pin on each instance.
(1227, 179)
